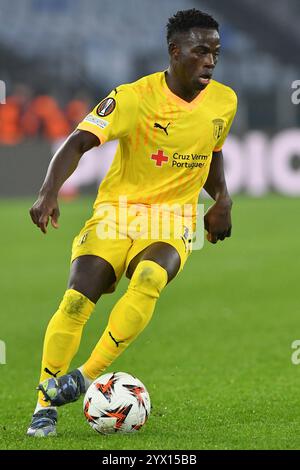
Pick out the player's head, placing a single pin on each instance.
(193, 43)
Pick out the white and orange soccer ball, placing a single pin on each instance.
(116, 402)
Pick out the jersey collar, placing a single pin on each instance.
(179, 101)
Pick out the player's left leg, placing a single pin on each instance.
(150, 271)
(150, 267)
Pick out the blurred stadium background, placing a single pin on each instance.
(58, 58)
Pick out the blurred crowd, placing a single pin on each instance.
(27, 115)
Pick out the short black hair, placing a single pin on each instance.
(184, 20)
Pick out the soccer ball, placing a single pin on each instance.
(116, 402)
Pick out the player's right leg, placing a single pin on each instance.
(90, 277)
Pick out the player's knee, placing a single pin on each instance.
(76, 307)
(149, 278)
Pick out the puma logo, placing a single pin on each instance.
(51, 373)
(114, 340)
(159, 126)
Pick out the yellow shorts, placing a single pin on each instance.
(106, 236)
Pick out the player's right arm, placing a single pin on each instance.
(62, 165)
(112, 118)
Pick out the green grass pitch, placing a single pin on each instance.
(216, 357)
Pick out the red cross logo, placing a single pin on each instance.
(159, 157)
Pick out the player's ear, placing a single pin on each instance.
(173, 50)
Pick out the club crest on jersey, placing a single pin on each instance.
(106, 107)
(218, 128)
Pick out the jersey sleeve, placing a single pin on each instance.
(227, 127)
(114, 116)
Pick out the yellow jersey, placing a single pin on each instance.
(165, 143)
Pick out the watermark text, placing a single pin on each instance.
(150, 222)
(295, 358)
(2, 352)
(296, 94)
(2, 92)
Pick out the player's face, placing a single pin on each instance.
(194, 56)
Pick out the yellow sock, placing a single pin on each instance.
(63, 335)
(129, 316)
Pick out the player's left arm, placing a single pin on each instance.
(217, 220)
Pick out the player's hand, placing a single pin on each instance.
(43, 209)
(217, 221)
